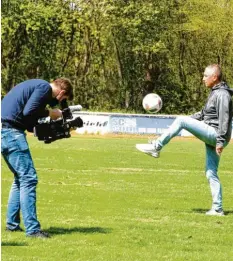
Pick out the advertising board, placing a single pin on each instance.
(101, 123)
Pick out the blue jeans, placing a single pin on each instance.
(16, 153)
(208, 135)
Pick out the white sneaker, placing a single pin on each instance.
(213, 212)
(148, 149)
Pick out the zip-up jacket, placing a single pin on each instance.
(218, 112)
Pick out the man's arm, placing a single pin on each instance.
(223, 111)
(36, 104)
(198, 115)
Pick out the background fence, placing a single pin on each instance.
(101, 123)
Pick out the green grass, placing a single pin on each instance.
(102, 200)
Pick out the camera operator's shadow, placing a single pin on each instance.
(84, 230)
(203, 211)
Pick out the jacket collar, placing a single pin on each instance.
(222, 85)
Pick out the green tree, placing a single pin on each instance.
(115, 52)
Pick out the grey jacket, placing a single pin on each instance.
(218, 112)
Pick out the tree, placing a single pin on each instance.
(115, 52)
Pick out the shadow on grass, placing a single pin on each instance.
(13, 244)
(228, 212)
(200, 210)
(85, 230)
(203, 211)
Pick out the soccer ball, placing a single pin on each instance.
(152, 102)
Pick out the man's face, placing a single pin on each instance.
(209, 78)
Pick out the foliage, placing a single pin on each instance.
(115, 52)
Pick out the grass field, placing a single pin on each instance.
(100, 199)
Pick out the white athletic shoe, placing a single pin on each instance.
(213, 212)
(148, 149)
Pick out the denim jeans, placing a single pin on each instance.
(16, 153)
(208, 135)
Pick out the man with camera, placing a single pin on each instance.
(21, 108)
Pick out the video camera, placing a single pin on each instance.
(49, 130)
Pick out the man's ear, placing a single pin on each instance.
(215, 78)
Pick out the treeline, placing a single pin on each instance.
(116, 51)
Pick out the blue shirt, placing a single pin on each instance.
(26, 103)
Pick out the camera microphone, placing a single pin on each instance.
(75, 108)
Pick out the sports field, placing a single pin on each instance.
(101, 199)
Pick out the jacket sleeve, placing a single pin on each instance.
(36, 104)
(198, 115)
(223, 111)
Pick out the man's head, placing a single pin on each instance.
(62, 89)
(212, 75)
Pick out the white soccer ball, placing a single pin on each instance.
(152, 102)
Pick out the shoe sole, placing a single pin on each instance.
(16, 230)
(216, 215)
(146, 152)
(221, 214)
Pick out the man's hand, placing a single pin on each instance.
(219, 150)
(55, 114)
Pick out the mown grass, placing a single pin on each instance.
(100, 199)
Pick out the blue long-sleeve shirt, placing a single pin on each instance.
(26, 103)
